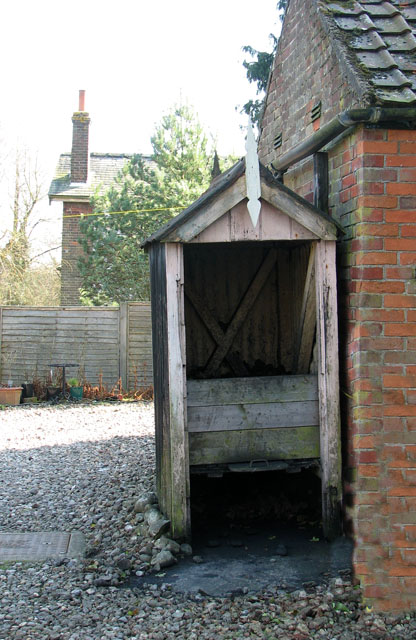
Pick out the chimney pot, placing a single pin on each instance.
(82, 100)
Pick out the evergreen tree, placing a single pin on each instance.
(152, 190)
(258, 71)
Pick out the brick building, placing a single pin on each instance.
(77, 177)
(339, 128)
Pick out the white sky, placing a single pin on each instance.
(135, 59)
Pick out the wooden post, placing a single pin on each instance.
(179, 480)
(307, 322)
(1, 339)
(320, 181)
(328, 385)
(123, 344)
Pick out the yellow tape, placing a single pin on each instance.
(113, 213)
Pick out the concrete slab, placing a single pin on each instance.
(40, 545)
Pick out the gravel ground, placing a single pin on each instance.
(84, 467)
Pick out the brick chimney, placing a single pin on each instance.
(79, 154)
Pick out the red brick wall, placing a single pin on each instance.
(305, 72)
(79, 153)
(71, 251)
(372, 174)
(373, 180)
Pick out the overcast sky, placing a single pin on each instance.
(135, 59)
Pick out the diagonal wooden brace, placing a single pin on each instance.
(240, 314)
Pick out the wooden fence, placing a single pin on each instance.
(112, 341)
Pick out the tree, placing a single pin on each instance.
(258, 71)
(150, 191)
(21, 277)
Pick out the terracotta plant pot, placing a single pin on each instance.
(10, 395)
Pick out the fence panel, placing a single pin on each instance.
(139, 345)
(31, 338)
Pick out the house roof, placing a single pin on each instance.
(225, 192)
(378, 39)
(103, 170)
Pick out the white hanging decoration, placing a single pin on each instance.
(252, 176)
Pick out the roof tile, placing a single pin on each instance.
(382, 9)
(377, 60)
(395, 24)
(345, 9)
(353, 23)
(402, 42)
(369, 41)
(379, 40)
(406, 95)
(409, 13)
(103, 170)
(404, 62)
(391, 78)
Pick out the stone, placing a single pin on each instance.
(124, 564)
(164, 559)
(156, 522)
(146, 500)
(186, 549)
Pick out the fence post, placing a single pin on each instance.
(123, 343)
(1, 337)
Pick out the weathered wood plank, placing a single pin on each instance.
(244, 446)
(248, 300)
(123, 343)
(210, 213)
(204, 313)
(324, 229)
(157, 260)
(1, 344)
(213, 327)
(328, 382)
(252, 390)
(272, 415)
(320, 181)
(218, 231)
(307, 321)
(179, 480)
(285, 308)
(34, 337)
(241, 226)
(61, 312)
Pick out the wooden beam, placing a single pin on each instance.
(307, 321)
(1, 338)
(270, 415)
(222, 391)
(228, 447)
(123, 343)
(204, 313)
(328, 384)
(320, 181)
(210, 213)
(248, 300)
(236, 364)
(179, 480)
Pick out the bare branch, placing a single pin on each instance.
(44, 252)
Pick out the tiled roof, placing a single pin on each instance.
(378, 38)
(103, 169)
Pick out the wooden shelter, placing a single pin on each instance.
(245, 341)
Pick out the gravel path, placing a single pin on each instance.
(83, 467)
